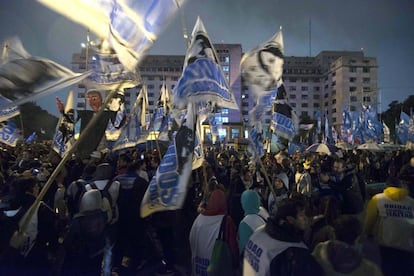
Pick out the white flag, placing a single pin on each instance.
(130, 26)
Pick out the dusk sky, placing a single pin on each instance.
(383, 28)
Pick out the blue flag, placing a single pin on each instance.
(9, 134)
(284, 120)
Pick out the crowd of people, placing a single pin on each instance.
(301, 214)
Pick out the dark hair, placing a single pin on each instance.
(289, 207)
(347, 228)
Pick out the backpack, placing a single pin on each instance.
(295, 261)
(107, 205)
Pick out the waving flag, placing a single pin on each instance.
(262, 67)
(24, 78)
(198, 156)
(168, 188)
(135, 131)
(108, 73)
(130, 26)
(202, 79)
(9, 134)
(284, 120)
(386, 130)
(63, 138)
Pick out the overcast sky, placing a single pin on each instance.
(384, 28)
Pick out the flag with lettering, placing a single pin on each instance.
(64, 134)
(284, 120)
(168, 188)
(202, 79)
(8, 112)
(9, 134)
(130, 26)
(25, 78)
(262, 66)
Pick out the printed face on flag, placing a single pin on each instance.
(116, 102)
(202, 48)
(94, 98)
(263, 66)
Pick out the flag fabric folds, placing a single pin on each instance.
(202, 79)
(31, 138)
(168, 188)
(130, 26)
(24, 78)
(9, 134)
(64, 134)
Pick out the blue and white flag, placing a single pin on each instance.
(9, 134)
(9, 112)
(284, 120)
(198, 156)
(135, 131)
(317, 115)
(64, 134)
(262, 67)
(130, 26)
(168, 188)
(108, 73)
(202, 79)
(25, 78)
(386, 131)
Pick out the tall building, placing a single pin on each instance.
(329, 82)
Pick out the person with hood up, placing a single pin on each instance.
(341, 256)
(280, 184)
(205, 230)
(254, 217)
(390, 221)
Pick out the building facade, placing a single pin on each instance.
(329, 82)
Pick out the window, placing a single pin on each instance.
(293, 104)
(316, 105)
(175, 78)
(245, 104)
(333, 93)
(316, 97)
(292, 79)
(367, 99)
(304, 97)
(81, 95)
(227, 59)
(225, 119)
(235, 133)
(81, 85)
(352, 69)
(333, 83)
(366, 80)
(292, 88)
(326, 95)
(225, 111)
(316, 88)
(334, 101)
(150, 77)
(353, 99)
(365, 69)
(150, 95)
(304, 88)
(333, 110)
(304, 105)
(226, 68)
(352, 89)
(150, 86)
(352, 79)
(352, 108)
(305, 80)
(292, 96)
(367, 89)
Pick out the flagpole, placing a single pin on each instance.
(17, 237)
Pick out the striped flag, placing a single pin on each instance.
(130, 26)
(202, 79)
(25, 78)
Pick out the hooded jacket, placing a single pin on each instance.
(252, 220)
(205, 230)
(390, 219)
(339, 258)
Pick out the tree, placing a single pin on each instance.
(33, 118)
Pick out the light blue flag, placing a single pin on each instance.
(317, 115)
(168, 188)
(202, 79)
(130, 26)
(402, 127)
(9, 134)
